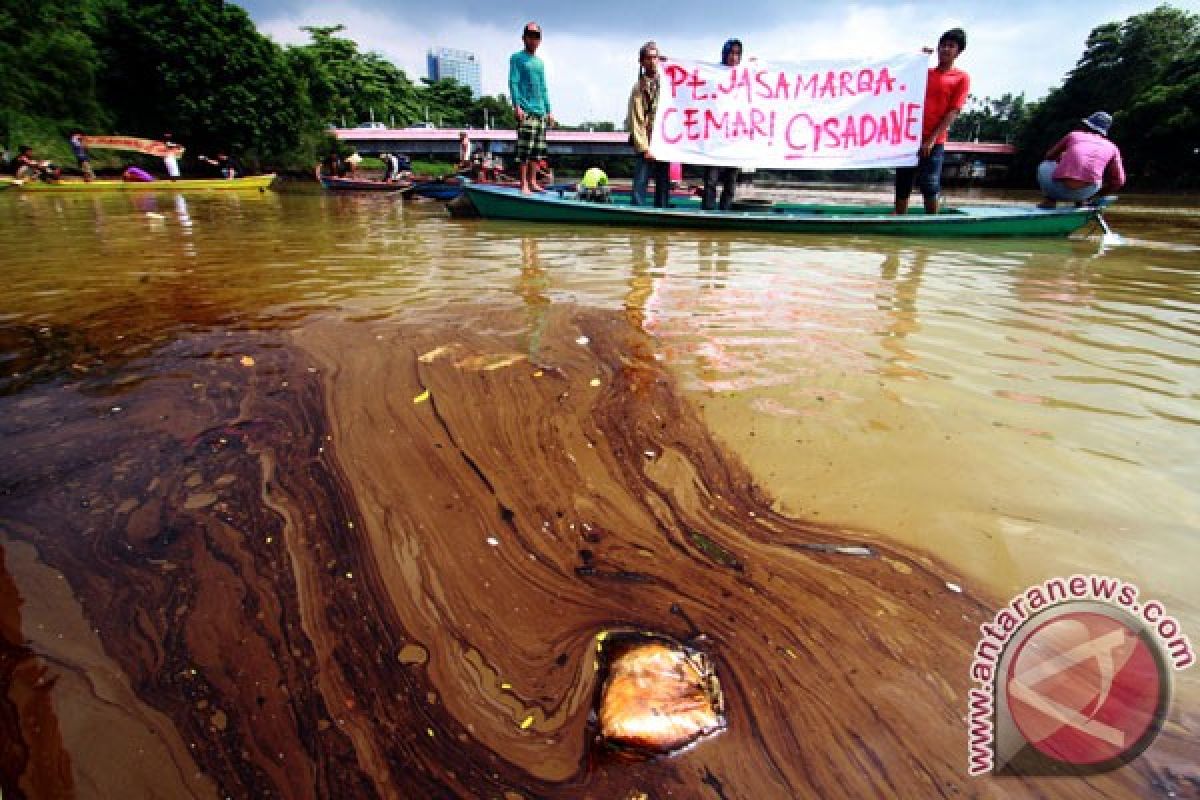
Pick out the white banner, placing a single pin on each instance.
(803, 115)
(150, 147)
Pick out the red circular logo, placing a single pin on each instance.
(1085, 688)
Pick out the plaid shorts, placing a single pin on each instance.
(531, 138)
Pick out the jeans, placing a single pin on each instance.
(1057, 190)
(643, 172)
(727, 178)
(927, 175)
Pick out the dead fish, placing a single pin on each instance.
(659, 696)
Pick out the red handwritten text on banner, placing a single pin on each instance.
(805, 115)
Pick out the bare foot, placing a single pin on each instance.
(525, 189)
(537, 188)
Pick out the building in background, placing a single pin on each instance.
(461, 65)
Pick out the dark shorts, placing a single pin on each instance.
(927, 175)
(531, 138)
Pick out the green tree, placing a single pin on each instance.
(1161, 127)
(492, 112)
(990, 119)
(353, 86)
(200, 70)
(447, 102)
(1136, 70)
(49, 68)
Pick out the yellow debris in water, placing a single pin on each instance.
(525, 723)
(247, 361)
(422, 397)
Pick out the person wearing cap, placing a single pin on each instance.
(1083, 165)
(531, 103)
(643, 103)
(946, 90)
(726, 177)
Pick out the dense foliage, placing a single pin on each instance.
(1145, 71)
(200, 70)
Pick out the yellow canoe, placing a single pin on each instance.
(260, 182)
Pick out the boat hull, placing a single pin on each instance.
(442, 190)
(352, 185)
(255, 182)
(497, 203)
(449, 189)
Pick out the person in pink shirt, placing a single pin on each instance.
(1083, 165)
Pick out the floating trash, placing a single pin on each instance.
(657, 695)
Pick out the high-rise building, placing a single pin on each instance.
(461, 65)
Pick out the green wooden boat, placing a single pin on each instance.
(494, 202)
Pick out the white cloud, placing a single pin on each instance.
(1011, 47)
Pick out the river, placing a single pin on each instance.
(307, 495)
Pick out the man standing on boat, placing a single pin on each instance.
(945, 94)
(643, 102)
(724, 177)
(531, 103)
(82, 156)
(171, 157)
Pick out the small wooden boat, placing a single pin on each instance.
(442, 189)
(254, 182)
(563, 207)
(449, 188)
(361, 185)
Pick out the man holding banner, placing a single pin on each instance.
(643, 101)
(946, 90)
(726, 177)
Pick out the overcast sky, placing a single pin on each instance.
(590, 48)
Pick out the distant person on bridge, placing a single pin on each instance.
(531, 103)
(643, 102)
(1083, 165)
(946, 91)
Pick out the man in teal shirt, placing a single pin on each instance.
(527, 87)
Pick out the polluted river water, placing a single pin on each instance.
(334, 496)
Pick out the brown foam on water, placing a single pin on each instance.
(373, 560)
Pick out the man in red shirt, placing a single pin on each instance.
(945, 94)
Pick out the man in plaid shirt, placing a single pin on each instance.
(527, 88)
